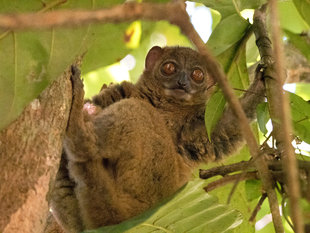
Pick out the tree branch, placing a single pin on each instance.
(224, 170)
(284, 135)
(231, 178)
(30, 149)
(258, 207)
(278, 104)
(240, 166)
(120, 13)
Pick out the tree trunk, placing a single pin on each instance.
(30, 150)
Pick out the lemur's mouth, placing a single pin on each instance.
(178, 93)
(179, 90)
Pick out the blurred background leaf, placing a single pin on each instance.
(31, 60)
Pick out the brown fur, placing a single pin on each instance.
(146, 140)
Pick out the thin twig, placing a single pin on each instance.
(224, 170)
(258, 207)
(273, 165)
(246, 91)
(231, 178)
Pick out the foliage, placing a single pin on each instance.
(190, 210)
(31, 60)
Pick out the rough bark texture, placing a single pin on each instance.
(30, 151)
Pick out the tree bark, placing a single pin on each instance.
(30, 150)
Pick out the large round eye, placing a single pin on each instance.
(197, 75)
(168, 68)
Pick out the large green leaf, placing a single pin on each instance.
(190, 210)
(239, 199)
(31, 60)
(224, 35)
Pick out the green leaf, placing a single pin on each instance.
(214, 110)
(302, 89)
(263, 117)
(300, 116)
(31, 60)
(304, 8)
(228, 7)
(224, 35)
(290, 18)
(233, 61)
(216, 18)
(301, 42)
(239, 199)
(190, 210)
(252, 53)
(253, 189)
(106, 45)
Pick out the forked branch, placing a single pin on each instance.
(272, 60)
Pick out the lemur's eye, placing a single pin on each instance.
(197, 75)
(168, 68)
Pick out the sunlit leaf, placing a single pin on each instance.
(190, 210)
(302, 89)
(216, 18)
(133, 34)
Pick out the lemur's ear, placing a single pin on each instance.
(153, 55)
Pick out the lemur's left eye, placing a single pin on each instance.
(197, 75)
(168, 68)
